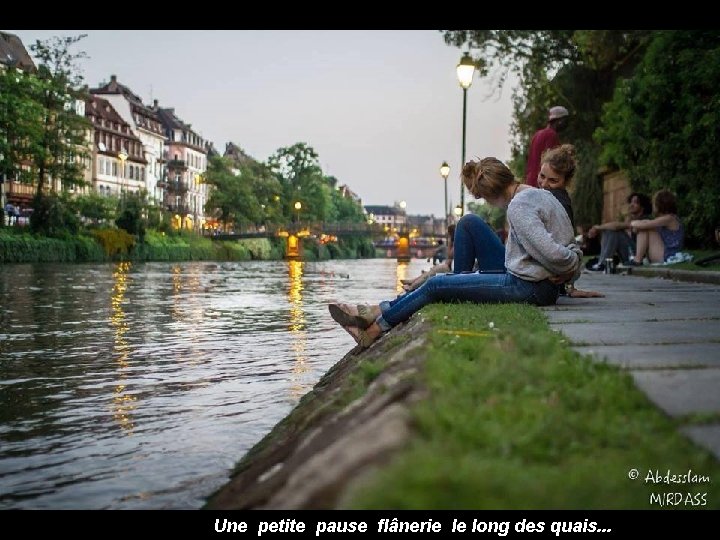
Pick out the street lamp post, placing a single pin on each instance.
(465, 72)
(445, 172)
(298, 206)
(122, 156)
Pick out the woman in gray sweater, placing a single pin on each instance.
(540, 255)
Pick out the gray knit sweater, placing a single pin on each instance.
(541, 240)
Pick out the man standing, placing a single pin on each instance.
(543, 140)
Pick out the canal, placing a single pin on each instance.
(139, 386)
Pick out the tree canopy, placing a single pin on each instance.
(663, 125)
(574, 68)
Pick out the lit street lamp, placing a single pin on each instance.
(458, 211)
(445, 172)
(122, 156)
(298, 206)
(465, 72)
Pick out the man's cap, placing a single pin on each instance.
(557, 112)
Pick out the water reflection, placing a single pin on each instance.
(197, 361)
(401, 272)
(298, 332)
(176, 311)
(123, 401)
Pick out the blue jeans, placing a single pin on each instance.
(474, 240)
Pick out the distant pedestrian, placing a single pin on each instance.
(439, 254)
(545, 139)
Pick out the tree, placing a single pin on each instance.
(61, 150)
(20, 123)
(495, 217)
(232, 198)
(298, 169)
(574, 68)
(96, 207)
(344, 208)
(663, 126)
(130, 214)
(267, 191)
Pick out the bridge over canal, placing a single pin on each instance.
(402, 248)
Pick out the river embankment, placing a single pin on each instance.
(467, 406)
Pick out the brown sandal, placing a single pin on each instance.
(362, 338)
(343, 318)
(368, 313)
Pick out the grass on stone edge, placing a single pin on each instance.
(517, 420)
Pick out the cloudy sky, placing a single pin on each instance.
(383, 109)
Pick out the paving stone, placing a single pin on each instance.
(706, 436)
(635, 313)
(657, 356)
(684, 391)
(642, 333)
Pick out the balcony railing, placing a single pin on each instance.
(17, 190)
(180, 209)
(176, 164)
(177, 186)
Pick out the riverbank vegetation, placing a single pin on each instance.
(21, 246)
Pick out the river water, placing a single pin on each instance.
(141, 385)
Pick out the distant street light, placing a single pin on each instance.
(458, 211)
(445, 172)
(298, 206)
(465, 72)
(122, 156)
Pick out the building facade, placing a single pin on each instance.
(186, 162)
(145, 124)
(391, 217)
(119, 165)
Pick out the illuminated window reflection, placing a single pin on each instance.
(298, 333)
(123, 403)
(401, 273)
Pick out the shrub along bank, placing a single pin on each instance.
(101, 245)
